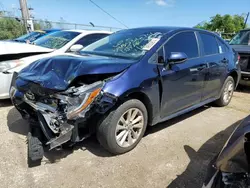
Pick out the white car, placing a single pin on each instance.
(57, 43)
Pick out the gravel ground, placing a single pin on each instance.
(171, 154)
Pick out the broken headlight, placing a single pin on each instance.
(83, 97)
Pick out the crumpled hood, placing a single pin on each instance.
(236, 152)
(58, 72)
(8, 47)
(241, 48)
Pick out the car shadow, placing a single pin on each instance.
(92, 145)
(5, 103)
(18, 125)
(195, 173)
(165, 124)
(243, 89)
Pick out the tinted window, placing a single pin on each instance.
(89, 39)
(209, 43)
(222, 46)
(241, 38)
(183, 42)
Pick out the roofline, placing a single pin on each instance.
(87, 31)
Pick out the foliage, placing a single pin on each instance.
(226, 23)
(12, 28)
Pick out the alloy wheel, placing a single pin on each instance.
(228, 91)
(129, 127)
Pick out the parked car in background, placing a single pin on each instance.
(122, 83)
(241, 44)
(32, 36)
(231, 167)
(66, 41)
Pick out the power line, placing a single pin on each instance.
(108, 13)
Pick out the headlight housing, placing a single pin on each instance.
(6, 65)
(85, 95)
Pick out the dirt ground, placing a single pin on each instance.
(172, 154)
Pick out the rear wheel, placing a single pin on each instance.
(227, 92)
(124, 127)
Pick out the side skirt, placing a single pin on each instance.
(186, 110)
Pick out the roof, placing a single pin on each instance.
(88, 31)
(167, 29)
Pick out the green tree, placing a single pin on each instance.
(226, 23)
(10, 28)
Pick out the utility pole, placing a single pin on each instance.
(246, 21)
(25, 13)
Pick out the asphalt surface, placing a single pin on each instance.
(172, 154)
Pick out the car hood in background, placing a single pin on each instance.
(241, 48)
(8, 47)
(57, 73)
(234, 155)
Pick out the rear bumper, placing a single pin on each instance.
(5, 85)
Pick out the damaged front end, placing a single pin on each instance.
(231, 168)
(63, 116)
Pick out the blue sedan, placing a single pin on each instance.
(123, 83)
(32, 36)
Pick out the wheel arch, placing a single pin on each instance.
(141, 96)
(235, 76)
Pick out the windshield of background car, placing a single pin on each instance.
(31, 36)
(56, 40)
(129, 44)
(241, 38)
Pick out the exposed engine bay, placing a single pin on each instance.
(64, 117)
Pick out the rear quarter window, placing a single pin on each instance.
(222, 46)
(210, 44)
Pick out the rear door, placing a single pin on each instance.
(182, 83)
(214, 54)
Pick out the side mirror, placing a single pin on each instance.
(76, 48)
(177, 57)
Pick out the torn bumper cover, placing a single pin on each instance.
(63, 116)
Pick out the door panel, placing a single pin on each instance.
(182, 85)
(215, 56)
(217, 72)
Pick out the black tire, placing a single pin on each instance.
(106, 129)
(35, 151)
(221, 102)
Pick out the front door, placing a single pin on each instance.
(182, 83)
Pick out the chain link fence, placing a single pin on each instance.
(12, 27)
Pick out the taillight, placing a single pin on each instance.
(238, 57)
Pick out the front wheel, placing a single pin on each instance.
(124, 127)
(227, 92)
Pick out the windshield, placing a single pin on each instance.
(30, 36)
(56, 40)
(241, 38)
(130, 44)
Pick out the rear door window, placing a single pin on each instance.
(210, 44)
(183, 42)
